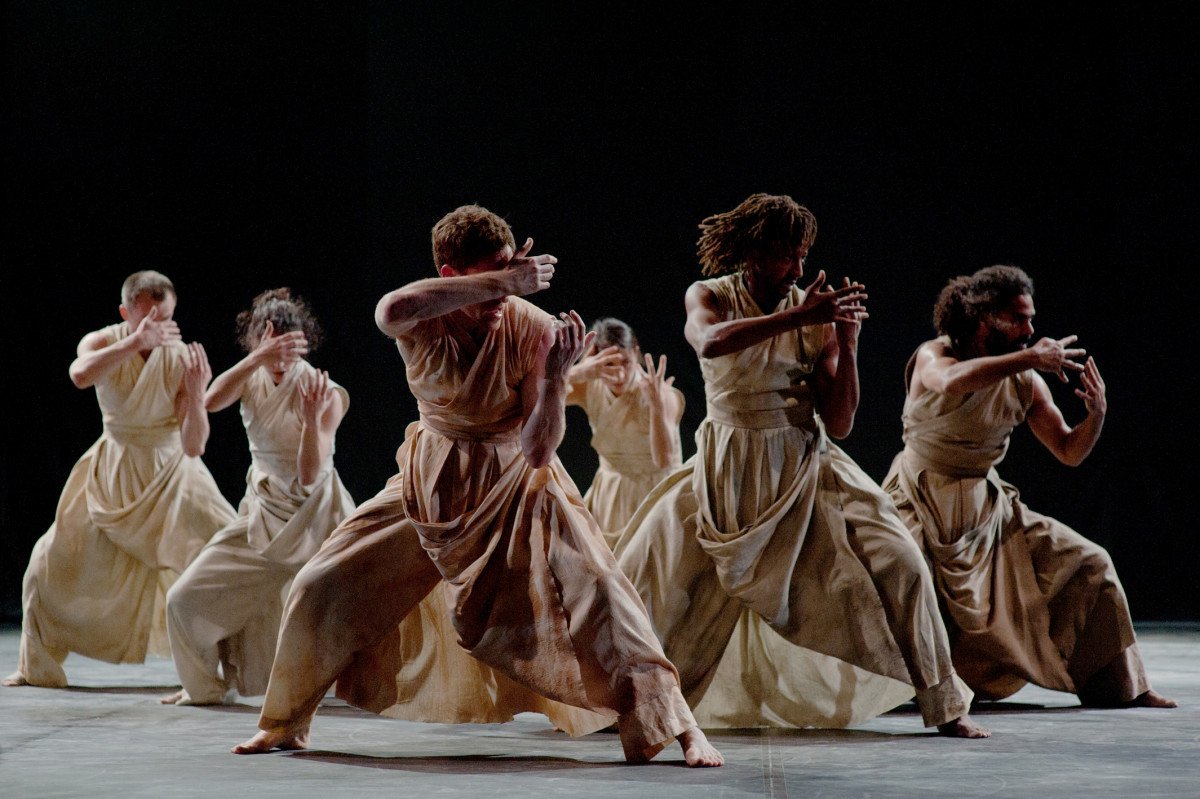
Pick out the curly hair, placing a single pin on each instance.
(468, 233)
(763, 224)
(612, 332)
(965, 300)
(156, 285)
(285, 313)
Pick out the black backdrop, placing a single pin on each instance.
(314, 146)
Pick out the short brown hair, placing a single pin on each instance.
(762, 224)
(468, 233)
(155, 284)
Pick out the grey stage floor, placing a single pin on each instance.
(107, 736)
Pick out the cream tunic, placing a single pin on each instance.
(772, 527)
(225, 609)
(134, 513)
(533, 591)
(1026, 598)
(621, 437)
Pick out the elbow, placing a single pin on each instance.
(308, 476)
(392, 311)
(1071, 459)
(78, 378)
(537, 456)
(194, 450)
(839, 428)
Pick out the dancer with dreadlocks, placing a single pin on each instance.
(634, 412)
(1027, 599)
(771, 528)
(223, 613)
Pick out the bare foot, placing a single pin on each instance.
(266, 741)
(697, 751)
(1153, 699)
(14, 679)
(963, 727)
(172, 699)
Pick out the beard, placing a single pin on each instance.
(997, 342)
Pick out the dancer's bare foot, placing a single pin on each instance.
(1153, 699)
(172, 699)
(697, 751)
(14, 679)
(963, 727)
(266, 741)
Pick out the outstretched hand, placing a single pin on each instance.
(284, 349)
(196, 371)
(656, 381)
(530, 274)
(605, 365)
(315, 397)
(823, 304)
(570, 337)
(154, 332)
(1092, 393)
(848, 317)
(1054, 355)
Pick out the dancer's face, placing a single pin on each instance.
(486, 314)
(620, 377)
(775, 275)
(1010, 329)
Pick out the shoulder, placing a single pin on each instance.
(524, 318)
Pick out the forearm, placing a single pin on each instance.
(89, 368)
(544, 428)
(193, 431)
(435, 296)
(228, 387)
(735, 335)
(315, 444)
(663, 446)
(1078, 444)
(974, 374)
(839, 399)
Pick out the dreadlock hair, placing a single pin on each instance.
(966, 300)
(613, 333)
(285, 313)
(762, 225)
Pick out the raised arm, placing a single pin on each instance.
(711, 337)
(938, 369)
(1071, 445)
(322, 409)
(402, 309)
(665, 410)
(94, 358)
(189, 402)
(835, 376)
(286, 349)
(592, 365)
(543, 391)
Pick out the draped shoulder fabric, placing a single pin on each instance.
(527, 585)
(226, 607)
(621, 438)
(134, 513)
(1027, 598)
(766, 560)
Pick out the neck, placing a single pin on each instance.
(765, 296)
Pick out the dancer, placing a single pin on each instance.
(770, 523)
(223, 613)
(634, 413)
(138, 505)
(481, 503)
(1026, 598)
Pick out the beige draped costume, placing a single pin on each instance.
(1026, 598)
(533, 591)
(770, 547)
(134, 513)
(621, 438)
(223, 613)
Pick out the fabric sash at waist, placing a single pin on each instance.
(469, 433)
(764, 419)
(281, 464)
(141, 436)
(952, 462)
(629, 464)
